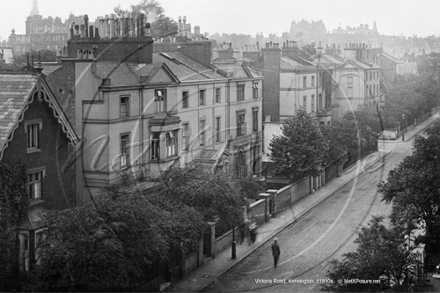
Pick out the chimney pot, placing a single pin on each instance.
(72, 27)
(86, 24)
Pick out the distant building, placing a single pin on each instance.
(6, 55)
(355, 77)
(42, 33)
(305, 32)
(391, 67)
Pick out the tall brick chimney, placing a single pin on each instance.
(271, 83)
(113, 45)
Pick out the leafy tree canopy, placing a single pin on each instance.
(35, 56)
(411, 95)
(301, 149)
(161, 25)
(213, 195)
(111, 243)
(337, 135)
(381, 251)
(14, 203)
(413, 185)
(309, 50)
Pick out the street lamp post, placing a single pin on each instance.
(403, 123)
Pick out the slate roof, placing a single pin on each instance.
(14, 94)
(296, 63)
(47, 70)
(391, 57)
(119, 73)
(185, 68)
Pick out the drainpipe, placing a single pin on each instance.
(213, 117)
(141, 133)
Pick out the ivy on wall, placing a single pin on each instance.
(14, 203)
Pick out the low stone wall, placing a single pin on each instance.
(258, 212)
(300, 189)
(225, 241)
(283, 199)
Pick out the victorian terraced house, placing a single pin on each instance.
(145, 106)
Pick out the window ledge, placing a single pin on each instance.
(33, 150)
(36, 202)
(166, 160)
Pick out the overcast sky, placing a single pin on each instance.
(393, 17)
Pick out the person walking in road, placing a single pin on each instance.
(275, 251)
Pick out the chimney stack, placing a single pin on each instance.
(147, 29)
(72, 27)
(141, 24)
(112, 25)
(86, 25)
(106, 27)
(126, 27)
(197, 31)
(130, 24)
(136, 24)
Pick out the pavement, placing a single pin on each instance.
(213, 268)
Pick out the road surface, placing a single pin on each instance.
(325, 233)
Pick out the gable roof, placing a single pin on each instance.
(16, 93)
(358, 64)
(391, 57)
(149, 73)
(238, 70)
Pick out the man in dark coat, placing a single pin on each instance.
(275, 251)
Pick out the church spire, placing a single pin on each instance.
(35, 8)
(375, 28)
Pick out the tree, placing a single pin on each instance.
(309, 50)
(381, 251)
(111, 243)
(301, 149)
(161, 25)
(369, 123)
(35, 56)
(212, 195)
(337, 136)
(412, 95)
(14, 203)
(414, 184)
